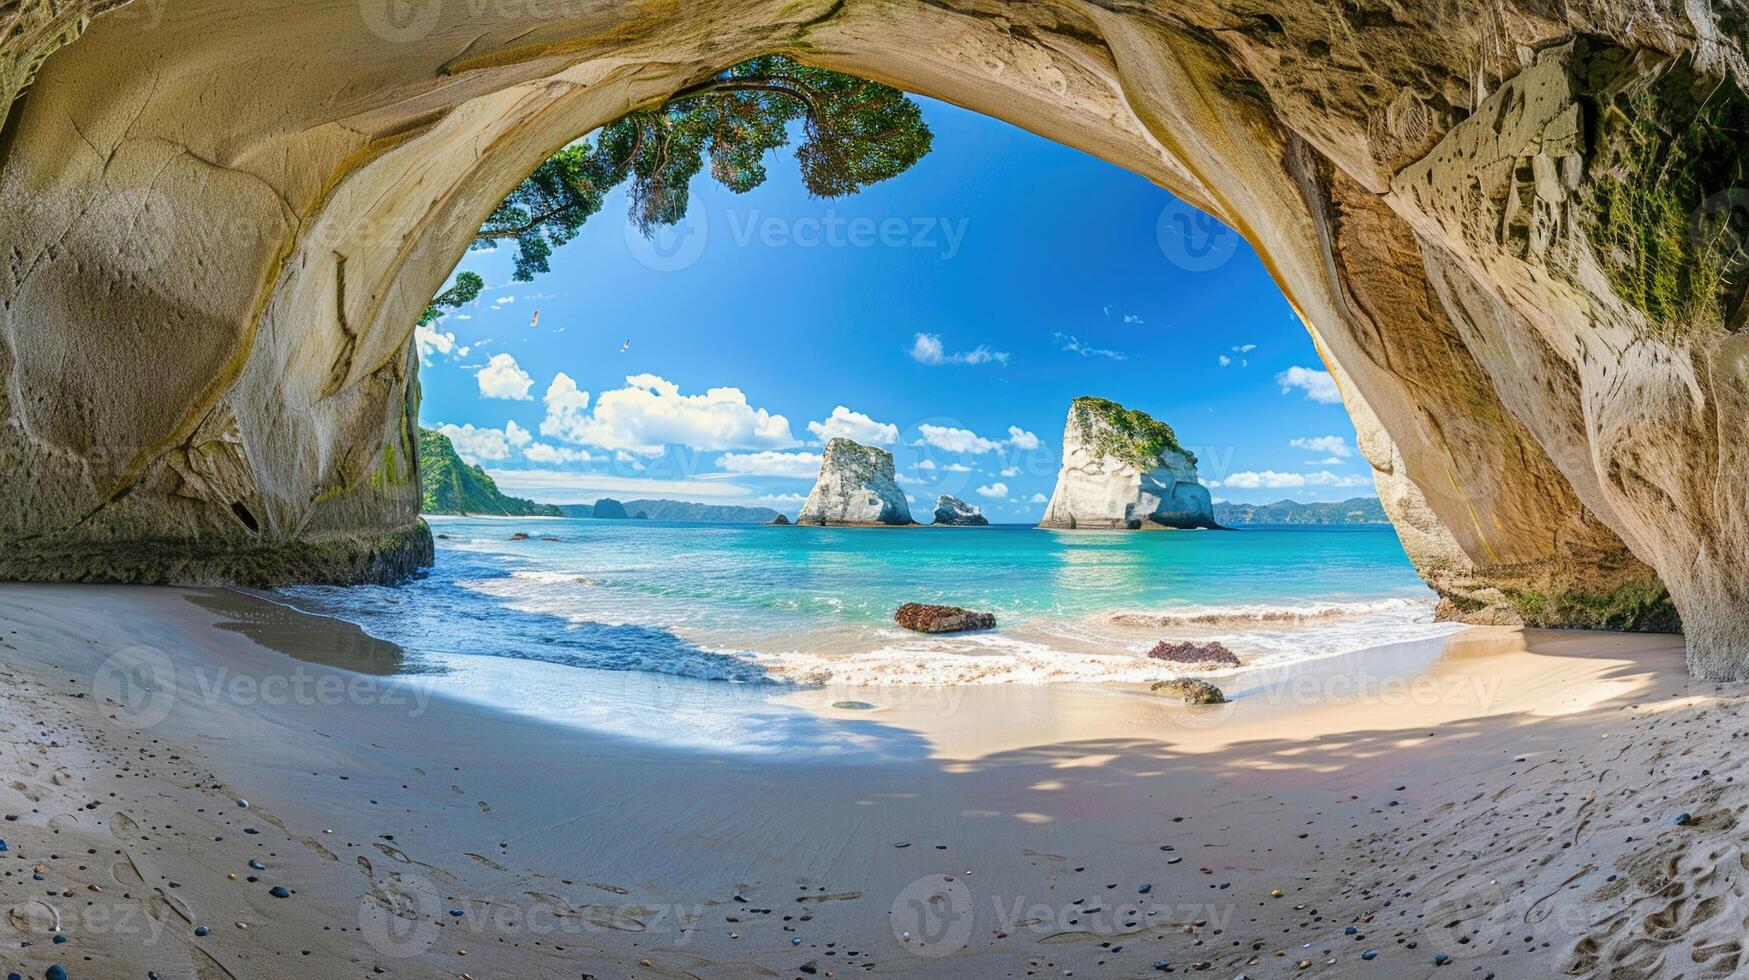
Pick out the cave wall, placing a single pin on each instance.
(219, 220)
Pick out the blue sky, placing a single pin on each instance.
(948, 315)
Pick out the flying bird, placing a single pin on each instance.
(536, 321)
(625, 346)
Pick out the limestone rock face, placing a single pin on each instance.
(856, 486)
(951, 511)
(1123, 469)
(1512, 232)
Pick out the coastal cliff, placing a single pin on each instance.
(951, 511)
(1124, 469)
(856, 487)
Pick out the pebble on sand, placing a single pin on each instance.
(279, 891)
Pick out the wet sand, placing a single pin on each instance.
(1507, 802)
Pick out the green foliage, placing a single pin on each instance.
(463, 291)
(854, 133)
(451, 486)
(1668, 198)
(1132, 436)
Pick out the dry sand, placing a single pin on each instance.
(1507, 802)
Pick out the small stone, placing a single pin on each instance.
(1369, 954)
(201, 930)
(279, 891)
(1683, 820)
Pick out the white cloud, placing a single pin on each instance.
(432, 341)
(650, 412)
(503, 300)
(1254, 479)
(1131, 318)
(1244, 348)
(781, 501)
(768, 463)
(1333, 445)
(994, 490)
(926, 464)
(565, 408)
(926, 348)
(957, 468)
(1328, 461)
(503, 378)
(1319, 386)
(1039, 498)
(542, 452)
(1019, 438)
(1011, 472)
(516, 435)
(952, 440)
(855, 426)
(1225, 360)
(474, 444)
(1074, 345)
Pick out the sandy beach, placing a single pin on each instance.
(1507, 804)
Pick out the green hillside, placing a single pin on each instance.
(1359, 510)
(453, 487)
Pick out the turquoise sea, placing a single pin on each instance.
(813, 606)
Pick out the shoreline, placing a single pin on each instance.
(1089, 833)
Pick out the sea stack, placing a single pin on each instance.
(856, 487)
(951, 511)
(1124, 469)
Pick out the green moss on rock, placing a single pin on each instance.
(1669, 189)
(1634, 607)
(1126, 434)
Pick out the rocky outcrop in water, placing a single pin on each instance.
(951, 511)
(1513, 233)
(924, 618)
(1124, 469)
(1191, 653)
(856, 486)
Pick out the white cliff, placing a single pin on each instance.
(1123, 469)
(856, 486)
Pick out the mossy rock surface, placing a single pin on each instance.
(1190, 691)
(1125, 434)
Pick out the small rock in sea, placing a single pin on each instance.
(1199, 654)
(519, 536)
(1683, 820)
(921, 617)
(1191, 691)
(279, 891)
(853, 705)
(779, 521)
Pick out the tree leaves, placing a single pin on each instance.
(854, 133)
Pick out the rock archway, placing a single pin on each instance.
(219, 220)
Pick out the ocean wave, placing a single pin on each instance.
(1278, 616)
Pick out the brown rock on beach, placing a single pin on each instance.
(1191, 652)
(925, 618)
